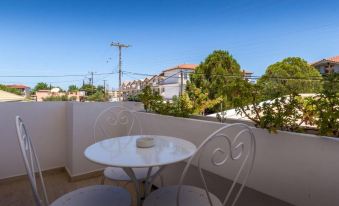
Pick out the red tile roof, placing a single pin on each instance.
(334, 59)
(17, 86)
(182, 66)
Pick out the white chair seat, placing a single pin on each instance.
(118, 174)
(97, 195)
(189, 196)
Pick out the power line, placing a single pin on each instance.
(41, 76)
(310, 78)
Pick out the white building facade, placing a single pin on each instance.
(175, 80)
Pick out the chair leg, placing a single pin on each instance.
(103, 179)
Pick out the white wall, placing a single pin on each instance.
(171, 90)
(46, 124)
(172, 77)
(336, 69)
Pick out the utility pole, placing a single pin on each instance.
(105, 88)
(120, 46)
(91, 81)
(92, 74)
(181, 82)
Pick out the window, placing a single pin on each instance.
(185, 75)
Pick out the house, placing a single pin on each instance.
(328, 65)
(133, 87)
(25, 90)
(126, 89)
(173, 80)
(114, 95)
(78, 96)
(40, 95)
(55, 92)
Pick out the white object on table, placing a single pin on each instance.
(123, 152)
(145, 142)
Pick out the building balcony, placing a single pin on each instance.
(289, 169)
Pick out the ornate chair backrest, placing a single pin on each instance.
(31, 163)
(115, 121)
(233, 143)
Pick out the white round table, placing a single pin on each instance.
(123, 152)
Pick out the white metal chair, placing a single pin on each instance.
(102, 195)
(239, 148)
(118, 121)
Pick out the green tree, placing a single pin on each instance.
(326, 106)
(73, 88)
(200, 100)
(98, 96)
(40, 86)
(100, 88)
(179, 106)
(89, 89)
(287, 112)
(291, 75)
(150, 99)
(216, 75)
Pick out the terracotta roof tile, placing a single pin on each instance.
(331, 59)
(182, 66)
(334, 59)
(17, 86)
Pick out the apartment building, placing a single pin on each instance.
(25, 90)
(167, 83)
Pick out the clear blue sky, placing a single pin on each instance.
(73, 37)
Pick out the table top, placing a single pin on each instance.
(123, 152)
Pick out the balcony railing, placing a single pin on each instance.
(290, 168)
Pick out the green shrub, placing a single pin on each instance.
(56, 98)
(325, 106)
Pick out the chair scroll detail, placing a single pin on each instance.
(111, 119)
(235, 150)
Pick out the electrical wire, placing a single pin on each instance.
(56, 76)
